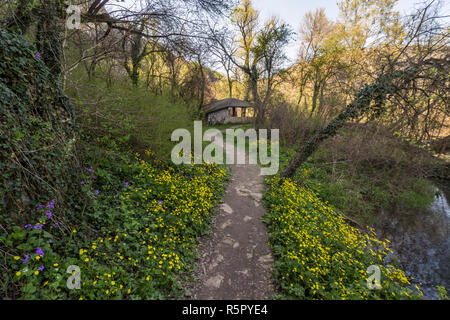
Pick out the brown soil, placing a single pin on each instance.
(235, 260)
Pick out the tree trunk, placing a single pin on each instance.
(230, 85)
(48, 35)
(23, 17)
(315, 97)
(258, 104)
(203, 84)
(247, 79)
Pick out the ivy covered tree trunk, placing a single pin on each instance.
(133, 72)
(36, 130)
(48, 17)
(22, 17)
(138, 52)
(49, 34)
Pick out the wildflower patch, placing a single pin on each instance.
(319, 256)
(144, 238)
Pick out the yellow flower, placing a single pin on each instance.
(16, 258)
(74, 231)
(18, 273)
(36, 272)
(113, 283)
(55, 265)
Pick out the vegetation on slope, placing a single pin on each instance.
(136, 235)
(318, 218)
(77, 195)
(319, 255)
(365, 169)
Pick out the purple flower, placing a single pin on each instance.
(56, 224)
(41, 268)
(90, 169)
(28, 226)
(37, 55)
(82, 182)
(49, 214)
(39, 207)
(50, 241)
(7, 21)
(27, 257)
(126, 184)
(38, 226)
(96, 192)
(51, 204)
(39, 252)
(161, 202)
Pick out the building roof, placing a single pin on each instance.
(224, 104)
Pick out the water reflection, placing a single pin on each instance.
(421, 242)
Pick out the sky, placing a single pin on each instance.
(293, 11)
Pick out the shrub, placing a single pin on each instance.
(36, 136)
(364, 170)
(37, 152)
(124, 118)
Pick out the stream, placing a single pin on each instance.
(420, 241)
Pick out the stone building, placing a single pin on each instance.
(229, 111)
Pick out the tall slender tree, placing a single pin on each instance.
(245, 17)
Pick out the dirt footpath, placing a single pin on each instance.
(235, 260)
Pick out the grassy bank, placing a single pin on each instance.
(363, 171)
(317, 219)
